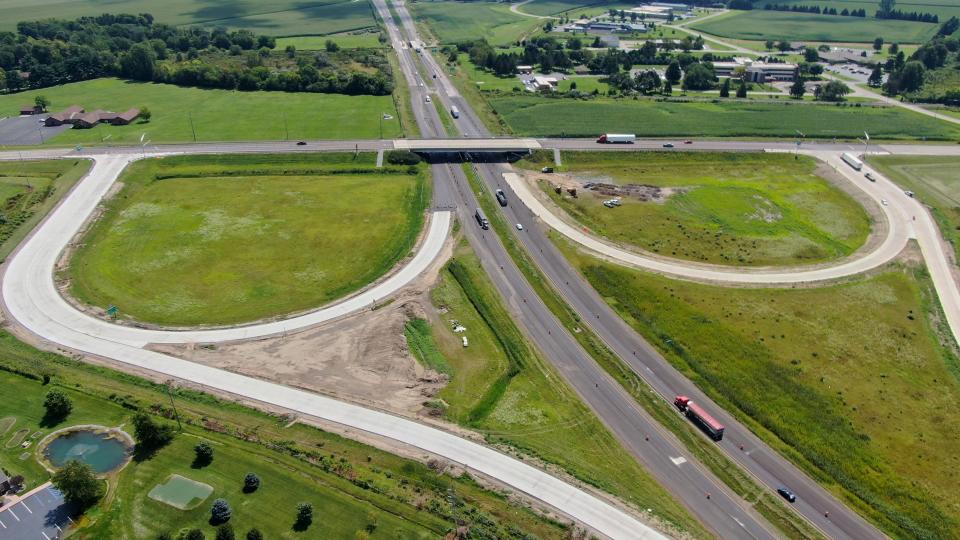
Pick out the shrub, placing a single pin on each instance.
(402, 157)
(251, 482)
(254, 534)
(149, 434)
(195, 534)
(220, 512)
(304, 516)
(203, 454)
(225, 532)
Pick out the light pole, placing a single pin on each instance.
(866, 142)
(175, 413)
(800, 138)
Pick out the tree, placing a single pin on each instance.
(251, 482)
(164, 536)
(784, 45)
(698, 77)
(667, 88)
(876, 76)
(768, 45)
(57, 404)
(254, 534)
(673, 73)
(648, 82)
(195, 534)
(291, 51)
(41, 102)
(304, 515)
(798, 89)
(331, 46)
(78, 483)
(220, 512)
(725, 88)
(150, 435)
(139, 63)
(878, 44)
(225, 532)
(894, 48)
(203, 454)
(911, 76)
(811, 54)
(886, 6)
(742, 90)
(145, 113)
(833, 91)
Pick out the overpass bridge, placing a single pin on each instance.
(468, 146)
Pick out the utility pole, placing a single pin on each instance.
(175, 413)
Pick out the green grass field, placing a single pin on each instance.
(352, 486)
(454, 22)
(935, 181)
(30, 189)
(216, 115)
(501, 387)
(575, 7)
(282, 17)
(220, 240)
(542, 117)
(362, 40)
(944, 8)
(849, 381)
(759, 24)
(736, 209)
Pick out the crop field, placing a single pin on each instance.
(721, 208)
(356, 490)
(935, 181)
(545, 117)
(573, 7)
(214, 115)
(760, 24)
(501, 387)
(858, 396)
(944, 8)
(30, 189)
(453, 22)
(200, 240)
(281, 17)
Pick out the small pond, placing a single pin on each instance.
(103, 451)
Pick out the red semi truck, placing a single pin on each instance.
(700, 417)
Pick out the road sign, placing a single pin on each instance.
(112, 311)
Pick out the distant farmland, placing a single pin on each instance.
(761, 24)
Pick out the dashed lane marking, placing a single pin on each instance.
(678, 461)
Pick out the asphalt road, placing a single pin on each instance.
(607, 398)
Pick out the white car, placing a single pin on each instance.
(519, 227)
(883, 202)
(427, 99)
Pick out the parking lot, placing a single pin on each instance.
(41, 515)
(27, 130)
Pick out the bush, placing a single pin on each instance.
(304, 516)
(402, 157)
(149, 434)
(225, 532)
(203, 454)
(195, 534)
(251, 482)
(254, 534)
(220, 512)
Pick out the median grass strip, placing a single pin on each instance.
(724, 208)
(935, 181)
(358, 490)
(30, 189)
(555, 117)
(219, 240)
(516, 399)
(853, 395)
(788, 522)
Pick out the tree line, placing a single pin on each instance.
(908, 76)
(816, 9)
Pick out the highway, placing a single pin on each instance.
(814, 503)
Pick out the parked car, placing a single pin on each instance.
(787, 494)
(546, 170)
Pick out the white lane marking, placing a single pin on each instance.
(12, 514)
(24, 504)
(45, 535)
(3, 524)
(678, 461)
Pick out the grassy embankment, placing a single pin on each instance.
(849, 381)
(227, 239)
(503, 388)
(760, 24)
(359, 40)
(544, 117)
(452, 22)
(281, 17)
(353, 487)
(935, 181)
(215, 115)
(736, 209)
(30, 189)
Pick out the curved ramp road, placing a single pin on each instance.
(32, 299)
(32, 296)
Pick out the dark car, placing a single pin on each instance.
(668, 145)
(301, 143)
(787, 494)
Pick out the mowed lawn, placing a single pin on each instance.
(848, 380)
(204, 240)
(726, 208)
(935, 181)
(545, 117)
(216, 115)
(454, 22)
(281, 17)
(760, 24)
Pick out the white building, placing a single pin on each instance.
(756, 71)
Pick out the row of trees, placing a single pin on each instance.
(816, 9)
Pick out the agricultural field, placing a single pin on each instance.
(720, 208)
(762, 25)
(454, 22)
(943, 8)
(30, 189)
(935, 181)
(857, 396)
(544, 117)
(280, 18)
(356, 490)
(502, 388)
(214, 115)
(220, 240)
(572, 7)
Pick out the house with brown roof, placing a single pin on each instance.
(29, 110)
(67, 116)
(90, 119)
(125, 118)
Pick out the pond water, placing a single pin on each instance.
(102, 452)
